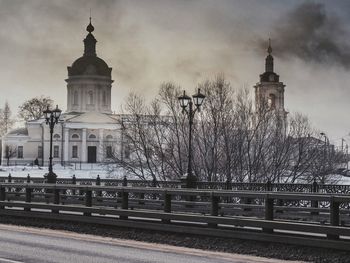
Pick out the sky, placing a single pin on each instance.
(149, 42)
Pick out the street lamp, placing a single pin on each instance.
(51, 117)
(324, 153)
(186, 104)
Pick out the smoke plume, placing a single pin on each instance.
(313, 35)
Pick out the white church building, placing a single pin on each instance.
(88, 132)
(88, 129)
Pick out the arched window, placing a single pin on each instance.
(271, 101)
(56, 136)
(75, 98)
(92, 136)
(75, 136)
(109, 137)
(91, 97)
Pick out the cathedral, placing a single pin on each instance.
(88, 132)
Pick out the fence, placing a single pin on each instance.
(203, 212)
(76, 165)
(268, 186)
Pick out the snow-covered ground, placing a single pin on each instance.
(85, 171)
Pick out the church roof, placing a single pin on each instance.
(19, 131)
(269, 75)
(92, 117)
(89, 63)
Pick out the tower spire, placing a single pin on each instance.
(269, 49)
(269, 59)
(90, 41)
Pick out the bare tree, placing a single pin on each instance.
(233, 141)
(33, 109)
(6, 121)
(10, 151)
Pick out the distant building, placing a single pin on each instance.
(88, 129)
(269, 91)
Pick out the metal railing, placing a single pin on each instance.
(206, 212)
(268, 186)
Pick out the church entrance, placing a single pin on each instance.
(91, 154)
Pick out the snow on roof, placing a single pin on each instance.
(92, 117)
(19, 131)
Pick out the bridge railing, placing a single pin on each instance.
(268, 186)
(213, 208)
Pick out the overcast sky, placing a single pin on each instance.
(148, 42)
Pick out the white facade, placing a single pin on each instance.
(87, 127)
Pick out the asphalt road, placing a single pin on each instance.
(25, 244)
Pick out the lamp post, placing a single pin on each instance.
(51, 117)
(324, 153)
(186, 104)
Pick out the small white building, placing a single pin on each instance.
(87, 131)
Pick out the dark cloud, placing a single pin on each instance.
(149, 42)
(313, 34)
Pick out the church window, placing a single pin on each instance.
(56, 151)
(74, 151)
(92, 136)
(40, 151)
(109, 137)
(56, 136)
(127, 152)
(91, 97)
(75, 98)
(75, 136)
(109, 151)
(271, 101)
(20, 152)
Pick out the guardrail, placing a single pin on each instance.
(268, 186)
(204, 212)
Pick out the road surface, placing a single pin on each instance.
(25, 244)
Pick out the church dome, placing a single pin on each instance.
(89, 65)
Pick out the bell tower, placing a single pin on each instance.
(89, 80)
(269, 92)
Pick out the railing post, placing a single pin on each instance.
(28, 179)
(98, 180)
(2, 195)
(56, 199)
(154, 184)
(334, 216)
(98, 183)
(268, 186)
(214, 205)
(228, 186)
(268, 211)
(9, 179)
(314, 203)
(125, 181)
(167, 206)
(125, 203)
(28, 197)
(141, 197)
(88, 201)
(214, 211)
(74, 181)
